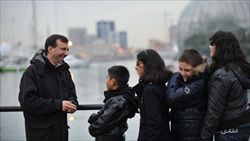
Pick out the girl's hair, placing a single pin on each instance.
(154, 67)
(227, 51)
(191, 56)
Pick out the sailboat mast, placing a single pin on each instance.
(34, 26)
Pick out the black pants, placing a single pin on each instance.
(52, 133)
(110, 138)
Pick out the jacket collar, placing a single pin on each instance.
(40, 59)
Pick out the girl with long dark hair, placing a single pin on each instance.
(228, 113)
(154, 122)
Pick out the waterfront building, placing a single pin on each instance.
(78, 36)
(104, 29)
(122, 39)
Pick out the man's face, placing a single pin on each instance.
(59, 52)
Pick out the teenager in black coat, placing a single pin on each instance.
(110, 122)
(228, 113)
(154, 121)
(186, 95)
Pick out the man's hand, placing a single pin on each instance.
(68, 106)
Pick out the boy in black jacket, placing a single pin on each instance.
(110, 122)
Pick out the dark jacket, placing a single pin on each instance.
(154, 122)
(187, 101)
(227, 98)
(110, 122)
(42, 89)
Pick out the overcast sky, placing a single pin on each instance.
(142, 20)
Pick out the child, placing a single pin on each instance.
(186, 95)
(228, 113)
(152, 72)
(110, 122)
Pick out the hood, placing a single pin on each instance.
(39, 56)
(132, 99)
(244, 77)
(128, 94)
(202, 67)
(40, 59)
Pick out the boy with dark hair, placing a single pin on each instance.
(186, 96)
(110, 122)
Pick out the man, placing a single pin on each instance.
(47, 92)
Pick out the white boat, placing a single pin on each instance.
(14, 64)
(75, 62)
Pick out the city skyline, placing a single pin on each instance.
(143, 20)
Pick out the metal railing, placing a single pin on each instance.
(80, 107)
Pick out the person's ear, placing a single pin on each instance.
(113, 81)
(114, 84)
(50, 49)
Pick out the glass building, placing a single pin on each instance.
(104, 28)
(200, 19)
(122, 39)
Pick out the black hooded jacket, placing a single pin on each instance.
(111, 119)
(187, 100)
(227, 98)
(43, 87)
